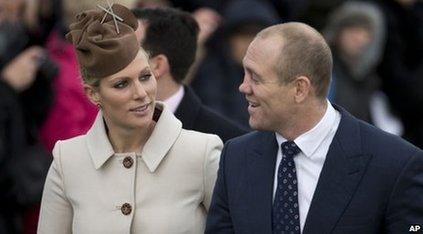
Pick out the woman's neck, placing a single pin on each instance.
(125, 140)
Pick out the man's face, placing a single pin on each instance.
(270, 101)
(353, 41)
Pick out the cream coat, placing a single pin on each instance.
(169, 186)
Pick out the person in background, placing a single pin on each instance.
(26, 75)
(220, 73)
(310, 167)
(356, 35)
(170, 37)
(136, 170)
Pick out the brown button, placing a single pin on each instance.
(126, 209)
(127, 162)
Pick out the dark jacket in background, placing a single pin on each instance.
(219, 76)
(23, 165)
(195, 116)
(401, 68)
(355, 80)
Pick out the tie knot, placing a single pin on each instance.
(290, 149)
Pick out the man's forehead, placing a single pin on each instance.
(262, 49)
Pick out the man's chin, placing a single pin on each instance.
(255, 125)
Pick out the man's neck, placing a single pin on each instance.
(166, 87)
(308, 117)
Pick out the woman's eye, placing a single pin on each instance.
(145, 77)
(121, 84)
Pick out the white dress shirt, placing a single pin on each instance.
(173, 101)
(314, 145)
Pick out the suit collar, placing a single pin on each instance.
(342, 171)
(173, 101)
(163, 137)
(189, 108)
(261, 162)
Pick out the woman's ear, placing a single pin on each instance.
(92, 94)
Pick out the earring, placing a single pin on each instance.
(99, 105)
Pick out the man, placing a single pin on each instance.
(311, 167)
(170, 37)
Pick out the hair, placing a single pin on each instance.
(303, 52)
(172, 33)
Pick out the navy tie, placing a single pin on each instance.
(285, 212)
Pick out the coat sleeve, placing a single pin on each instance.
(211, 164)
(405, 206)
(219, 219)
(56, 211)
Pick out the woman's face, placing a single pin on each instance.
(127, 98)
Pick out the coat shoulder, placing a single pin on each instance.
(72, 151)
(387, 150)
(198, 139)
(379, 142)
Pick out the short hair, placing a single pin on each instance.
(173, 33)
(304, 52)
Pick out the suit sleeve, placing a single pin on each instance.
(405, 206)
(56, 211)
(211, 164)
(219, 220)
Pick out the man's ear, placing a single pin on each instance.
(92, 94)
(160, 66)
(303, 88)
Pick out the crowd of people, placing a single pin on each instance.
(203, 63)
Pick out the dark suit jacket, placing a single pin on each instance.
(371, 182)
(195, 116)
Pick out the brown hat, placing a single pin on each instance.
(104, 46)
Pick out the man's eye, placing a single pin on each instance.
(255, 79)
(145, 77)
(121, 84)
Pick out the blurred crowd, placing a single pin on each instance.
(377, 76)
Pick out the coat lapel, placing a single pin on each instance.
(188, 109)
(342, 171)
(261, 162)
(165, 133)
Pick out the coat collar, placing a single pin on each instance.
(344, 167)
(342, 171)
(189, 108)
(261, 160)
(163, 137)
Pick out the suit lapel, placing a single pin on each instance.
(188, 109)
(261, 162)
(342, 171)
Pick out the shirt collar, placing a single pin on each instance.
(309, 141)
(173, 101)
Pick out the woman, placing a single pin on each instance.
(136, 170)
